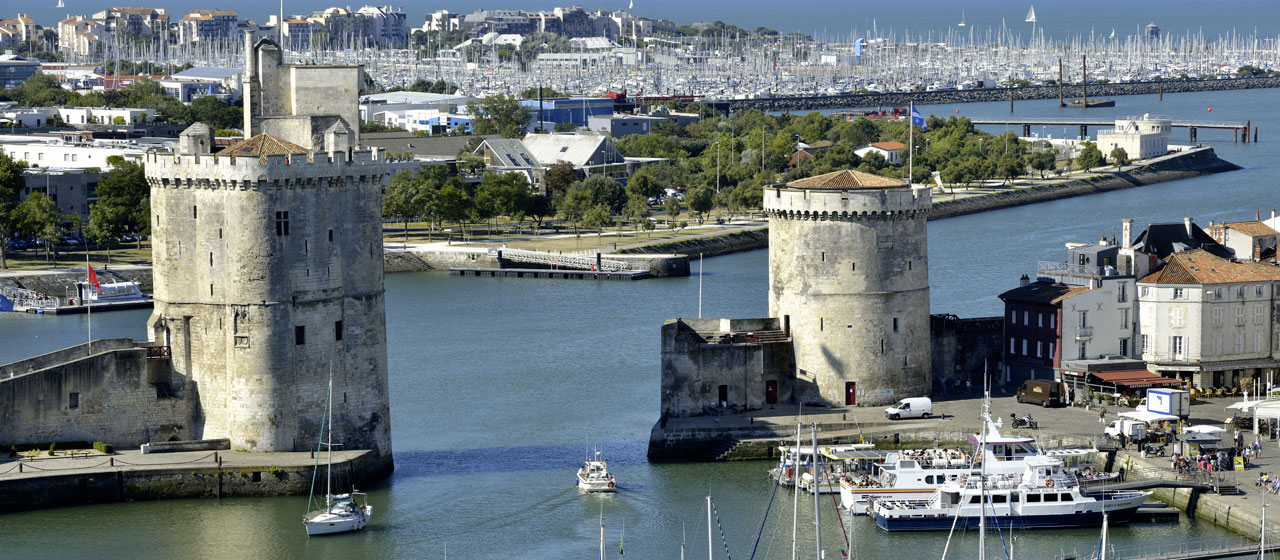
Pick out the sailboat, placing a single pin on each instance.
(60, 4)
(1031, 15)
(341, 514)
(961, 24)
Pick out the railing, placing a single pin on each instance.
(159, 352)
(1063, 268)
(28, 299)
(575, 261)
(1084, 333)
(1182, 549)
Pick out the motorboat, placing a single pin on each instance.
(594, 475)
(1042, 496)
(916, 474)
(798, 460)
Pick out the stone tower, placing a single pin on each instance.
(269, 271)
(849, 275)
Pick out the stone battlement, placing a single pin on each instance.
(251, 173)
(862, 203)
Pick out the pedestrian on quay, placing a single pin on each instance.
(1102, 414)
(968, 387)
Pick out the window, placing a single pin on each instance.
(895, 324)
(300, 335)
(1084, 319)
(1065, 497)
(1240, 292)
(1026, 317)
(1039, 319)
(1013, 342)
(1257, 313)
(1024, 347)
(1177, 348)
(193, 212)
(1217, 317)
(1257, 291)
(1240, 315)
(1144, 343)
(1050, 497)
(282, 223)
(1217, 345)
(1177, 293)
(1257, 342)
(1039, 349)
(1124, 318)
(1239, 343)
(1053, 320)
(1050, 350)
(73, 400)
(331, 236)
(1122, 295)
(1084, 350)
(1033, 498)
(1013, 317)
(337, 330)
(1175, 318)
(1217, 293)
(1124, 347)
(1145, 291)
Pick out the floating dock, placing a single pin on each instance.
(550, 273)
(78, 309)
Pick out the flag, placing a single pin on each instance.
(93, 279)
(918, 120)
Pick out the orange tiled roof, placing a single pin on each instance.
(1198, 266)
(846, 179)
(889, 146)
(262, 145)
(1253, 228)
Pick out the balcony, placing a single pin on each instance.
(1084, 333)
(1067, 273)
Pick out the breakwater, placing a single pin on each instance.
(902, 99)
(37, 484)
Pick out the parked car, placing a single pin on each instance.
(68, 240)
(16, 244)
(913, 407)
(1043, 392)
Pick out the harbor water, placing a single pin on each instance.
(500, 386)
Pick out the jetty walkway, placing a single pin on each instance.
(1240, 130)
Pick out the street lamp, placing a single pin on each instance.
(717, 167)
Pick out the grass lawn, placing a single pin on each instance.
(74, 257)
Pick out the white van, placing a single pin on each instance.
(914, 407)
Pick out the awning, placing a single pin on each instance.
(1148, 416)
(1136, 379)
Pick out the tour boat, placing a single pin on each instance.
(594, 475)
(793, 460)
(109, 292)
(916, 474)
(341, 513)
(1042, 496)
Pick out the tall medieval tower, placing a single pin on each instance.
(268, 265)
(849, 274)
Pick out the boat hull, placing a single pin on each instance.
(941, 521)
(333, 524)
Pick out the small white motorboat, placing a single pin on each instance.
(594, 475)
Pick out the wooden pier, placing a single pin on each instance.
(549, 273)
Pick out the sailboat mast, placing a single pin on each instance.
(817, 510)
(328, 474)
(795, 481)
(710, 551)
(601, 530)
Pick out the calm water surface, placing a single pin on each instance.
(499, 385)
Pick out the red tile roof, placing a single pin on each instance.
(1198, 266)
(262, 145)
(889, 146)
(845, 180)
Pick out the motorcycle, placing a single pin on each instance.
(1153, 450)
(1024, 422)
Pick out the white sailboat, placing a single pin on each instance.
(341, 514)
(961, 24)
(1031, 15)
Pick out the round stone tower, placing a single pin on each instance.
(849, 276)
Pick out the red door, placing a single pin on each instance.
(850, 393)
(770, 392)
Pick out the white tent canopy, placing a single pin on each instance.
(1267, 409)
(1205, 429)
(1148, 416)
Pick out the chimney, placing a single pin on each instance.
(1126, 227)
(1103, 241)
(1187, 223)
(1022, 282)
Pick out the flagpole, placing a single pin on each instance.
(83, 299)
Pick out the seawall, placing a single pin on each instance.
(279, 474)
(815, 102)
(1191, 163)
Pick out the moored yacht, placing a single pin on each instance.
(1042, 496)
(594, 475)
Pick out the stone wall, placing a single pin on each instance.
(701, 355)
(807, 103)
(111, 396)
(961, 348)
(849, 268)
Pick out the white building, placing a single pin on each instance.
(1252, 240)
(203, 26)
(1141, 138)
(889, 150)
(1209, 320)
(74, 150)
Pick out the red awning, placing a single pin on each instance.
(1136, 379)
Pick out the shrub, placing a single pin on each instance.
(104, 447)
(52, 448)
(276, 472)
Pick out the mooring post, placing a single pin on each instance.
(1084, 132)
(1235, 136)
(1010, 99)
(1162, 90)
(1247, 125)
(1255, 134)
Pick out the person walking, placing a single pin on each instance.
(968, 387)
(1102, 415)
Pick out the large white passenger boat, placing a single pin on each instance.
(1042, 496)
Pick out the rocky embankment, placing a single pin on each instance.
(808, 103)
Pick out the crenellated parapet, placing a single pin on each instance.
(229, 172)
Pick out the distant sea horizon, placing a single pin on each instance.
(823, 19)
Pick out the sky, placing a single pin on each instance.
(818, 17)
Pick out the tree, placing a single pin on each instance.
(560, 176)
(498, 114)
(701, 201)
(574, 206)
(637, 209)
(104, 229)
(598, 217)
(532, 93)
(1119, 157)
(38, 215)
(502, 194)
(607, 192)
(648, 226)
(672, 208)
(565, 127)
(402, 199)
(125, 190)
(1042, 161)
(538, 207)
(1090, 156)
(454, 204)
(643, 185)
(431, 178)
(11, 183)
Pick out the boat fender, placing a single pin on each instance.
(963, 479)
(1048, 483)
(610, 484)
